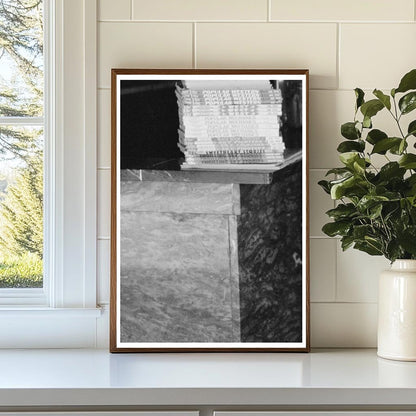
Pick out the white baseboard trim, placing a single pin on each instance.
(50, 328)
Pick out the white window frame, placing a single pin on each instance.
(64, 313)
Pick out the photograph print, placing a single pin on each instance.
(209, 211)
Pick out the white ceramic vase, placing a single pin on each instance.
(397, 312)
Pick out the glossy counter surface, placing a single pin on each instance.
(98, 378)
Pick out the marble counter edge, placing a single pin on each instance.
(215, 396)
(86, 377)
(196, 176)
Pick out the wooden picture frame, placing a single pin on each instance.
(209, 256)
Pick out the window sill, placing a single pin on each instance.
(40, 327)
(23, 298)
(36, 312)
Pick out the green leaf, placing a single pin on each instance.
(408, 82)
(412, 180)
(392, 196)
(375, 211)
(385, 99)
(367, 122)
(391, 170)
(371, 108)
(361, 231)
(325, 186)
(349, 131)
(392, 212)
(338, 171)
(398, 149)
(383, 145)
(408, 161)
(408, 102)
(403, 205)
(411, 130)
(402, 146)
(338, 189)
(346, 242)
(369, 201)
(375, 136)
(348, 158)
(342, 211)
(374, 242)
(413, 210)
(393, 250)
(368, 248)
(336, 228)
(412, 201)
(359, 165)
(411, 185)
(342, 179)
(349, 146)
(407, 240)
(393, 92)
(359, 95)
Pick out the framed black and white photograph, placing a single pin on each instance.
(209, 211)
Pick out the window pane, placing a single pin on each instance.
(21, 206)
(21, 58)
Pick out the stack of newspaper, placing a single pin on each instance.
(226, 124)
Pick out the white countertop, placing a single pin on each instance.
(96, 377)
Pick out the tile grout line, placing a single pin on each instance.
(310, 90)
(103, 167)
(269, 11)
(131, 9)
(308, 22)
(343, 303)
(336, 264)
(336, 271)
(194, 62)
(318, 169)
(323, 237)
(338, 63)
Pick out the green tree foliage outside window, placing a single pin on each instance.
(21, 144)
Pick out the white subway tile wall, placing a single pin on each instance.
(328, 109)
(104, 203)
(338, 325)
(114, 10)
(352, 10)
(345, 44)
(103, 270)
(357, 275)
(366, 50)
(104, 128)
(270, 45)
(200, 10)
(143, 45)
(323, 267)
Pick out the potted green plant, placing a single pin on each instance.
(376, 206)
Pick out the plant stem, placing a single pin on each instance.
(397, 118)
